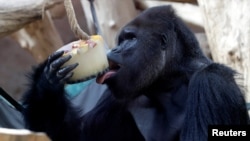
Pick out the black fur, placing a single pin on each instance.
(158, 58)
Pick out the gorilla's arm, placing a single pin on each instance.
(214, 98)
(47, 108)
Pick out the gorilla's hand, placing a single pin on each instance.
(54, 72)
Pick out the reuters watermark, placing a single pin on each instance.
(241, 132)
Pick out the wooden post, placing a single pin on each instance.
(21, 135)
(112, 15)
(40, 38)
(227, 25)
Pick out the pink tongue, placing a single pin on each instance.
(103, 77)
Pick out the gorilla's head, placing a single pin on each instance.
(153, 48)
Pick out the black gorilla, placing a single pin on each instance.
(160, 87)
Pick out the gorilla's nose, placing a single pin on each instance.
(115, 55)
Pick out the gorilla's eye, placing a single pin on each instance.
(129, 36)
(126, 35)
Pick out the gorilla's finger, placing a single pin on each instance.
(64, 71)
(66, 78)
(55, 65)
(55, 55)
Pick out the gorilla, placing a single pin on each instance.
(160, 86)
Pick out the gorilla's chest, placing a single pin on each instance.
(162, 120)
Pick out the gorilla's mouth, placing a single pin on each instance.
(112, 70)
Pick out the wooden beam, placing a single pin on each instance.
(228, 31)
(190, 13)
(22, 135)
(178, 1)
(112, 15)
(16, 14)
(40, 38)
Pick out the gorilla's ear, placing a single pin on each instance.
(168, 40)
(164, 41)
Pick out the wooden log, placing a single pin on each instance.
(112, 15)
(40, 38)
(140, 2)
(183, 1)
(190, 13)
(57, 11)
(16, 14)
(228, 32)
(21, 135)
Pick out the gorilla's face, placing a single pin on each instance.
(145, 50)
